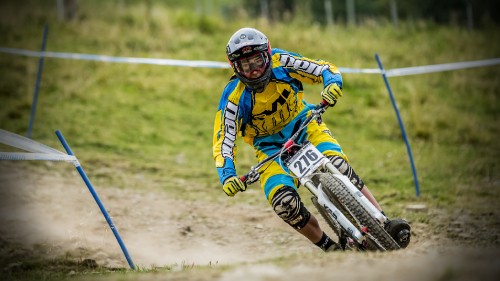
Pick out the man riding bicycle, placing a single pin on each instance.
(263, 102)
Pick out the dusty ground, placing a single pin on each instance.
(52, 215)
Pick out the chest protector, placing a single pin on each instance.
(272, 109)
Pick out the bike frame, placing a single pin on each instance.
(321, 162)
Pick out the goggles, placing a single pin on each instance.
(252, 66)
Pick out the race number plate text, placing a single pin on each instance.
(306, 161)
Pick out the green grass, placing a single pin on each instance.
(158, 119)
(125, 120)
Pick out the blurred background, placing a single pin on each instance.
(466, 13)
(149, 119)
(140, 126)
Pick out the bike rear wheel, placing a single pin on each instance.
(336, 191)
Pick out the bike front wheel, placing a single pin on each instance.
(336, 191)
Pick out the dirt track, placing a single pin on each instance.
(53, 216)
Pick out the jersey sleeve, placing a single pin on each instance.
(227, 124)
(308, 70)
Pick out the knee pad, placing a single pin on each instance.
(287, 204)
(347, 171)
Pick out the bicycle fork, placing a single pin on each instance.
(336, 214)
(357, 194)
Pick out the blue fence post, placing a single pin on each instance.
(400, 121)
(37, 82)
(98, 201)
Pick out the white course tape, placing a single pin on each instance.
(440, 67)
(24, 143)
(214, 64)
(171, 62)
(36, 156)
(359, 70)
(37, 151)
(76, 56)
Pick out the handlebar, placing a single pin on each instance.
(253, 175)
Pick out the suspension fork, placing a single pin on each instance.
(335, 213)
(374, 212)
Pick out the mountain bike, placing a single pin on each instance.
(358, 224)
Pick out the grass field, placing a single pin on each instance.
(126, 120)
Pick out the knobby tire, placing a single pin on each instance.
(336, 191)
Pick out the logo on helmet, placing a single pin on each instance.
(246, 50)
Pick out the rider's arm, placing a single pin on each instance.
(226, 127)
(308, 70)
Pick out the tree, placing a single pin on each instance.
(458, 12)
(275, 10)
(66, 9)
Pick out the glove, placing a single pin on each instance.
(232, 185)
(331, 93)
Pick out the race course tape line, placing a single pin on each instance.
(212, 64)
(37, 151)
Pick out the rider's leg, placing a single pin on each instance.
(366, 192)
(317, 236)
(288, 206)
(343, 166)
(311, 230)
(279, 188)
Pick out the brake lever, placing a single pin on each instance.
(251, 177)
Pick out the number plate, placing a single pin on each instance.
(306, 161)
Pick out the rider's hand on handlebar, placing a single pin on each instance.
(232, 185)
(331, 93)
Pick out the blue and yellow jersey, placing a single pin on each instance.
(242, 112)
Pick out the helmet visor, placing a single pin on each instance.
(252, 67)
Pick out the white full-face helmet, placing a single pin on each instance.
(249, 53)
